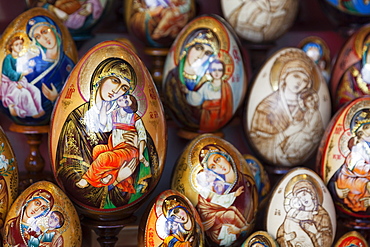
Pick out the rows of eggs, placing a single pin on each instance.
(293, 143)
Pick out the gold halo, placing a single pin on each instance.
(360, 37)
(324, 46)
(285, 55)
(306, 177)
(203, 22)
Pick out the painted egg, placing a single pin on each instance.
(79, 16)
(260, 239)
(260, 22)
(9, 176)
(343, 160)
(318, 50)
(353, 239)
(109, 137)
(351, 71)
(346, 15)
(215, 177)
(260, 177)
(204, 78)
(53, 222)
(158, 23)
(38, 55)
(171, 220)
(301, 211)
(285, 121)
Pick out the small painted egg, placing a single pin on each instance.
(260, 177)
(285, 121)
(301, 211)
(171, 220)
(38, 53)
(109, 136)
(352, 238)
(214, 176)
(351, 72)
(258, 21)
(42, 215)
(343, 161)
(204, 78)
(347, 15)
(318, 50)
(8, 176)
(158, 23)
(80, 17)
(260, 239)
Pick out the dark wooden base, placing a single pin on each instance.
(107, 231)
(189, 135)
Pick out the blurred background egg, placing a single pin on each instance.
(260, 21)
(39, 55)
(205, 76)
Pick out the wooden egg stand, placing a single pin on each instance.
(34, 162)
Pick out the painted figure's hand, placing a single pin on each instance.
(51, 94)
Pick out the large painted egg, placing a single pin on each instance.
(258, 21)
(215, 177)
(158, 23)
(301, 211)
(285, 121)
(79, 16)
(38, 53)
(204, 78)
(171, 220)
(351, 71)
(343, 160)
(109, 137)
(8, 176)
(42, 215)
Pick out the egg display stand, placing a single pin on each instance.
(107, 231)
(34, 163)
(258, 53)
(158, 58)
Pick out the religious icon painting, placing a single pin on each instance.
(109, 138)
(38, 53)
(301, 211)
(42, 215)
(351, 71)
(260, 21)
(8, 176)
(205, 76)
(79, 16)
(285, 121)
(352, 239)
(214, 176)
(171, 220)
(158, 23)
(318, 50)
(343, 160)
(260, 177)
(260, 239)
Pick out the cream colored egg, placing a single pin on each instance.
(301, 211)
(260, 21)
